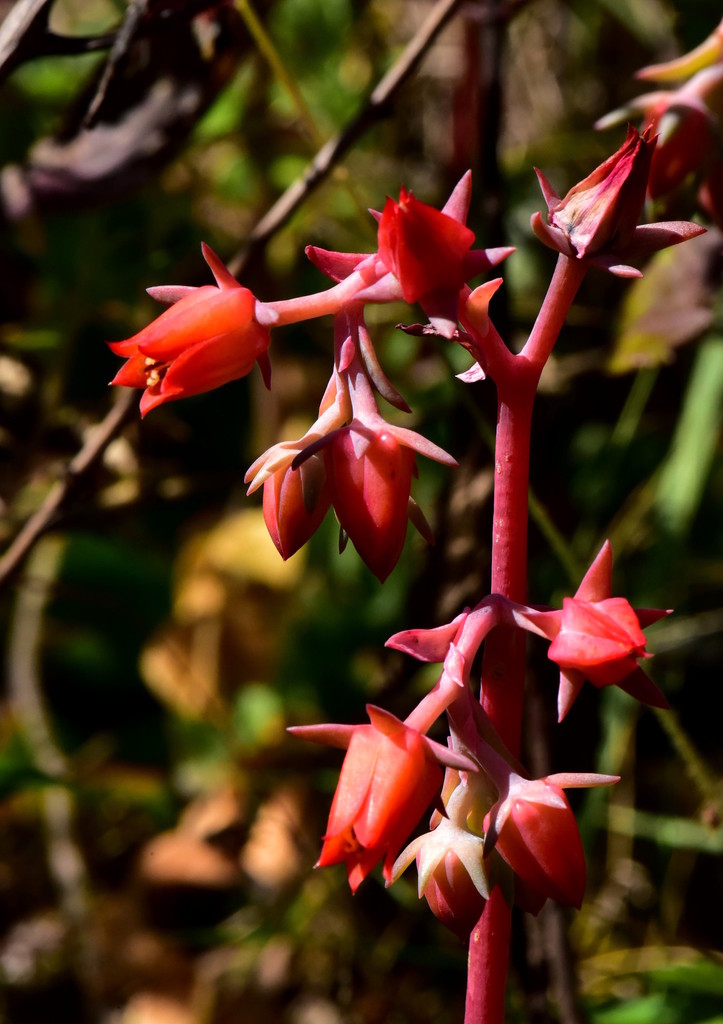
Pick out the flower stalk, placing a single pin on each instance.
(496, 836)
(504, 660)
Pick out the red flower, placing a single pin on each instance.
(452, 896)
(603, 209)
(538, 837)
(424, 248)
(208, 337)
(450, 864)
(295, 502)
(599, 637)
(387, 781)
(424, 256)
(597, 218)
(390, 775)
(534, 830)
(370, 478)
(687, 134)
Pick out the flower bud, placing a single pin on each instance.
(536, 833)
(601, 639)
(602, 211)
(295, 502)
(453, 897)
(370, 479)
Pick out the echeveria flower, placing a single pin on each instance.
(370, 479)
(295, 502)
(390, 775)
(533, 828)
(598, 637)
(424, 248)
(208, 337)
(597, 218)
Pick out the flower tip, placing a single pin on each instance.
(224, 278)
(264, 364)
(550, 195)
(169, 293)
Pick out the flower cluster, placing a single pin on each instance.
(351, 459)
(496, 819)
(498, 812)
(493, 824)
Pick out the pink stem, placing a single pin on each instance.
(306, 307)
(486, 983)
(503, 663)
(563, 288)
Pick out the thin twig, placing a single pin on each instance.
(24, 34)
(124, 37)
(66, 861)
(96, 443)
(374, 109)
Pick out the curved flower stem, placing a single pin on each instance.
(503, 663)
(324, 303)
(563, 288)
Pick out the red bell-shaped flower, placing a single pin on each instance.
(390, 775)
(602, 639)
(370, 478)
(387, 781)
(208, 337)
(536, 833)
(452, 896)
(295, 502)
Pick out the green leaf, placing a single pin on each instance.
(653, 1009)
(685, 472)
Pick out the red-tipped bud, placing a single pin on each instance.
(295, 502)
(370, 479)
(453, 897)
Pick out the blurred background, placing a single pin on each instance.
(158, 826)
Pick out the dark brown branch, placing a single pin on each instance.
(24, 34)
(125, 35)
(81, 464)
